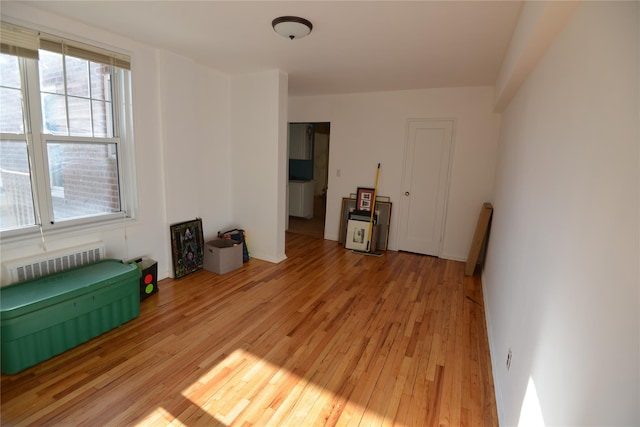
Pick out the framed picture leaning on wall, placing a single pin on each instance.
(357, 235)
(364, 199)
(383, 220)
(187, 247)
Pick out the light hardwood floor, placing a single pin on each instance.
(314, 226)
(327, 337)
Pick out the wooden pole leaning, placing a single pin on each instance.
(373, 211)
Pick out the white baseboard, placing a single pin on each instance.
(454, 257)
(492, 352)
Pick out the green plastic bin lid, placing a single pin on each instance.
(33, 294)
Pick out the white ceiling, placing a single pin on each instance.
(355, 46)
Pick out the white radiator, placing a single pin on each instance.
(50, 262)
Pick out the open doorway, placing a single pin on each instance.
(308, 177)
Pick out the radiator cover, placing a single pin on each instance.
(45, 263)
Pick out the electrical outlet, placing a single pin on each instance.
(509, 356)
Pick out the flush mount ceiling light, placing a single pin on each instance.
(291, 27)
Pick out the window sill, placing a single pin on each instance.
(32, 236)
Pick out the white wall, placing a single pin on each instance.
(562, 274)
(181, 136)
(259, 160)
(370, 128)
(539, 23)
(196, 138)
(214, 122)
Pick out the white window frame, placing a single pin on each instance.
(38, 158)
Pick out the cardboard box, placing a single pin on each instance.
(222, 255)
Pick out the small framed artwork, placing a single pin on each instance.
(364, 199)
(187, 247)
(378, 198)
(357, 235)
(348, 206)
(383, 221)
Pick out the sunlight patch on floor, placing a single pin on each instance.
(244, 388)
(159, 417)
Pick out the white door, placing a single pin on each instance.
(425, 185)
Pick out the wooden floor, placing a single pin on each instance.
(327, 337)
(314, 226)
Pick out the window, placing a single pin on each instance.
(65, 134)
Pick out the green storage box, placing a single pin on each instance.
(43, 317)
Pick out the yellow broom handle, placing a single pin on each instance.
(373, 209)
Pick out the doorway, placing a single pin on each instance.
(425, 185)
(308, 145)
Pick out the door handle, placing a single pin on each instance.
(406, 193)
